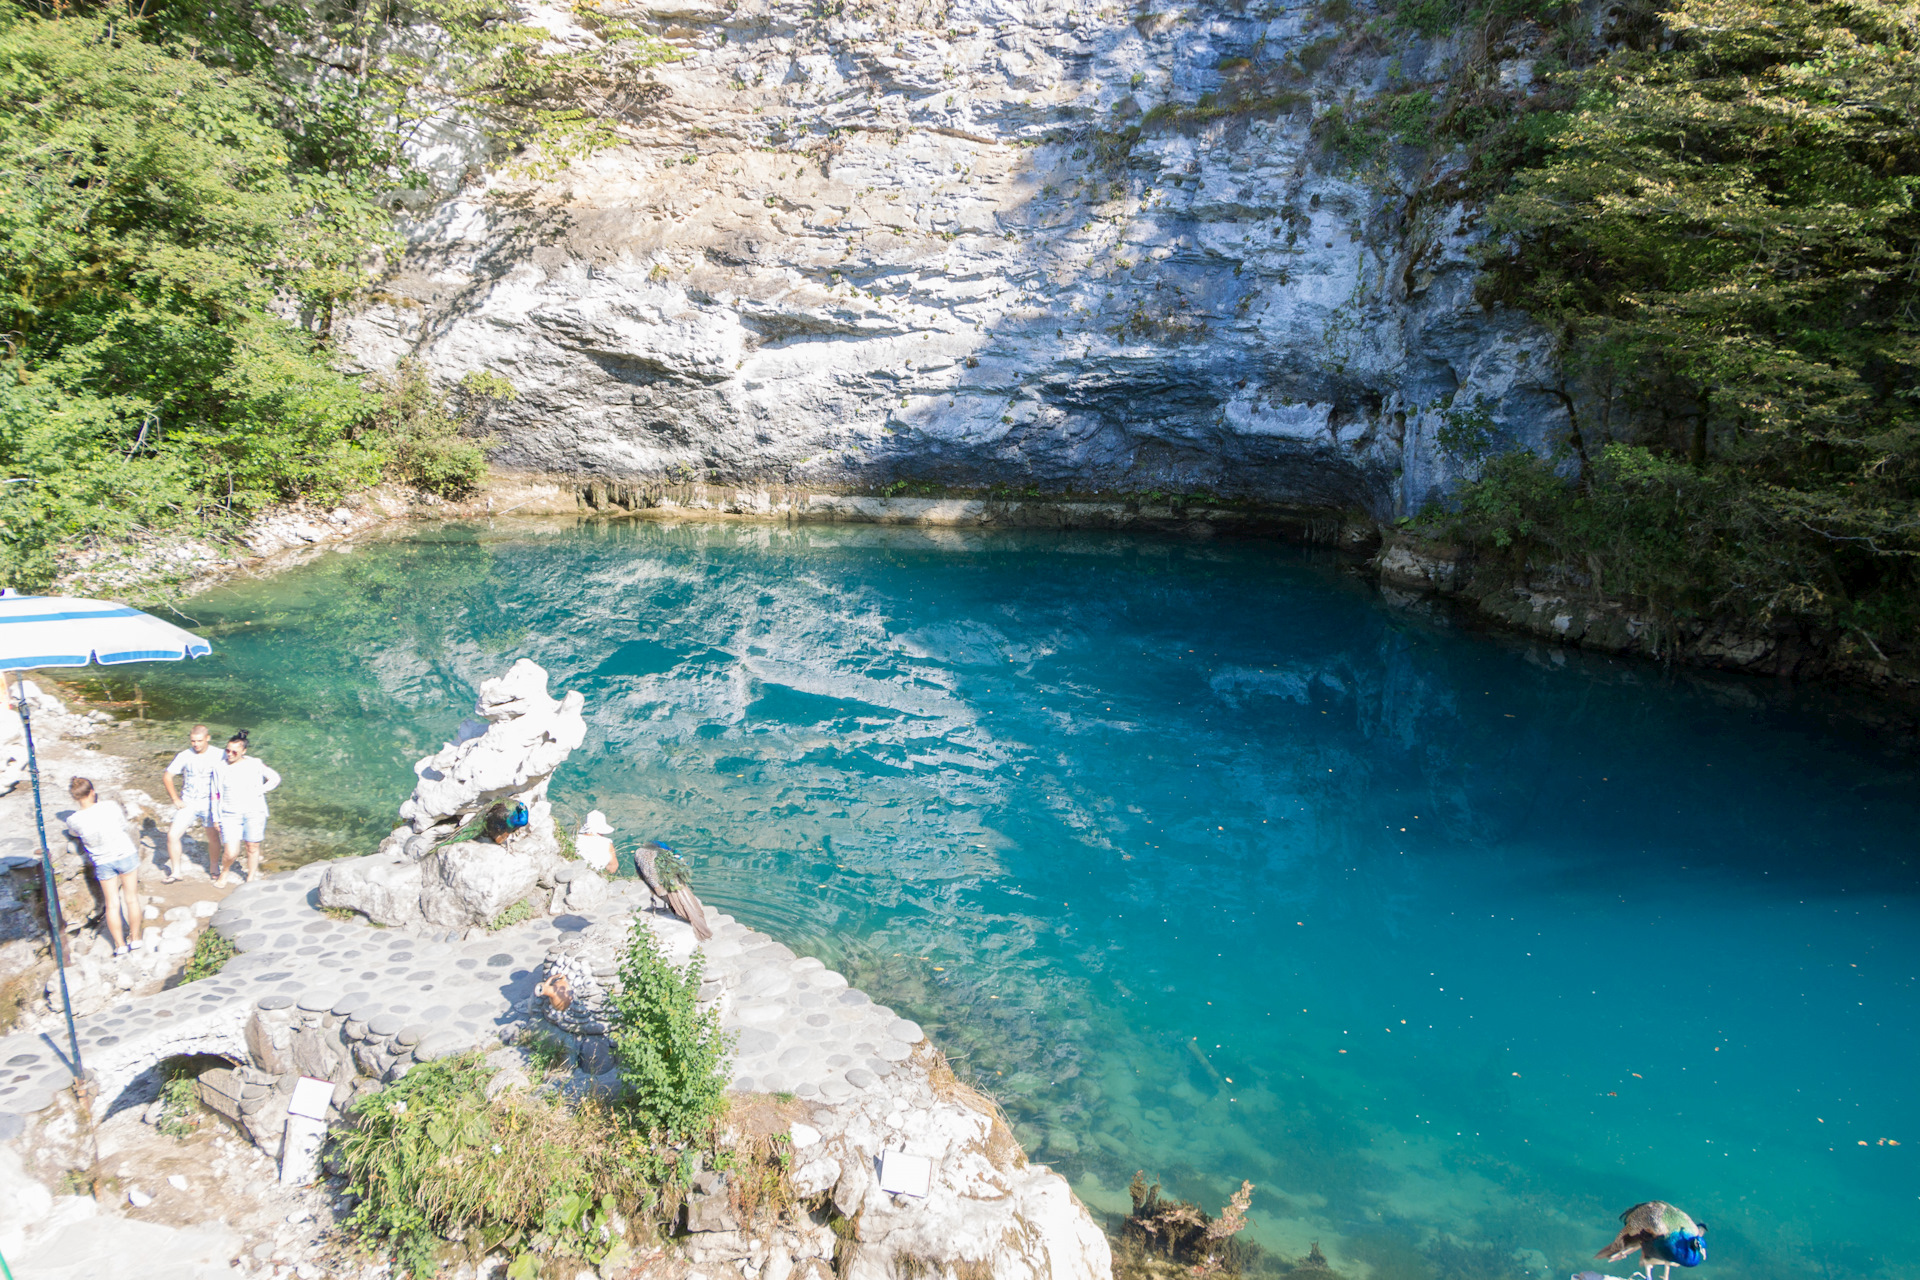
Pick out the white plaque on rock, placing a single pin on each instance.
(905, 1175)
(311, 1098)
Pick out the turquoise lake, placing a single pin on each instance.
(1204, 860)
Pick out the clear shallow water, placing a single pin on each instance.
(1204, 861)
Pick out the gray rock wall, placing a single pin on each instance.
(852, 246)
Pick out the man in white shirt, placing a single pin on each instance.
(194, 796)
(240, 786)
(101, 828)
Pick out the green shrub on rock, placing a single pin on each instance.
(430, 438)
(431, 1156)
(510, 915)
(670, 1052)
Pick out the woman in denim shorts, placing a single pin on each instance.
(101, 828)
(240, 786)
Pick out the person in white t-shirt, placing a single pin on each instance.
(194, 796)
(240, 786)
(101, 828)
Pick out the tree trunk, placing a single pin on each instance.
(1697, 453)
(1574, 437)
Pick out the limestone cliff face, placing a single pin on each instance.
(849, 246)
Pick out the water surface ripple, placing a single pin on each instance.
(1205, 861)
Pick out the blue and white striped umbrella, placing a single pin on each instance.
(64, 631)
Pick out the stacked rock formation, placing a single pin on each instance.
(418, 881)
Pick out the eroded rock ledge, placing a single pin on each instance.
(1568, 607)
(1015, 243)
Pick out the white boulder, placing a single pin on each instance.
(384, 891)
(471, 882)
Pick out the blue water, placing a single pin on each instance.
(1205, 861)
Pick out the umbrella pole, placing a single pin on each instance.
(46, 877)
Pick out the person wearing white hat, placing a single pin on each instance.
(594, 845)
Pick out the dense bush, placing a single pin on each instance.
(541, 1176)
(430, 1156)
(149, 221)
(429, 437)
(671, 1053)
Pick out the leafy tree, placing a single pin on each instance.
(1723, 229)
(368, 86)
(187, 194)
(150, 224)
(429, 440)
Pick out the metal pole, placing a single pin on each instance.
(46, 877)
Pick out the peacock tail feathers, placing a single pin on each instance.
(661, 868)
(673, 870)
(688, 908)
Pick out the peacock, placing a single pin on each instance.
(1664, 1235)
(666, 874)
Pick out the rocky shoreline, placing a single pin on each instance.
(324, 994)
(1561, 608)
(1565, 608)
(296, 533)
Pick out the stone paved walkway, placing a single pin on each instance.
(801, 1028)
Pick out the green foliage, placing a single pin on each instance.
(1468, 432)
(1722, 227)
(1649, 527)
(211, 951)
(512, 914)
(1441, 17)
(548, 1054)
(429, 1155)
(1359, 131)
(149, 220)
(362, 83)
(485, 384)
(429, 441)
(670, 1052)
(187, 194)
(179, 1104)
